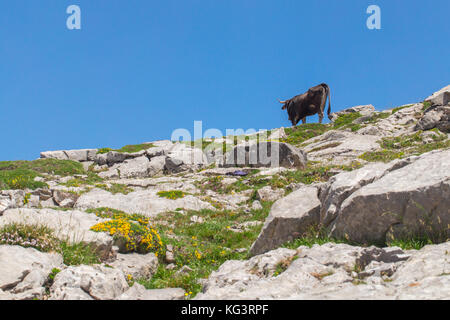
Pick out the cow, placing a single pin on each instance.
(307, 104)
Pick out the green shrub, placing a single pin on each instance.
(172, 194)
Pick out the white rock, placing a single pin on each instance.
(288, 219)
(138, 292)
(137, 265)
(83, 282)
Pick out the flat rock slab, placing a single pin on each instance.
(340, 147)
(328, 272)
(73, 225)
(75, 155)
(145, 202)
(16, 263)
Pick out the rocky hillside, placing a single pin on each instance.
(355, 209)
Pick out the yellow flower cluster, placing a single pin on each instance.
(138, 236)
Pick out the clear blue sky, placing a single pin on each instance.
(139, 69)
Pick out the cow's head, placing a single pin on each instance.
(284, 103)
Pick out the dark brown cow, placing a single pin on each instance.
(309, 103)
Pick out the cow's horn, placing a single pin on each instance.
(282, 101)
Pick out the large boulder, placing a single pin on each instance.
(265, 154)
(83, 282)
(288, 219)
(410, 201)
(435, 117)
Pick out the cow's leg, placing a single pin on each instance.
(320, 117)
(304, 120)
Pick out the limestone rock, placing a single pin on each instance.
(137, 265)
(265, 154)
(441, 97)
(288, 219)
(405, 202)
(268, 194)
(138, 292)
(25, 269)
(83, 282)
(75, 155)
(65, 199)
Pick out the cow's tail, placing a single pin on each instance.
(327, 88)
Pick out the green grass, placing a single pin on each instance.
(381, 156)
(115, 188)
(91, 179)
(78, 253)
(314, 235)
(346, 121)
(304, 132)
(203, 247)
(400, 108)
(426, 105)
(132, 148)
(403, 141)
(171, 194)
(413, 243)
(327, 146)
(21, 174)
(378, 116)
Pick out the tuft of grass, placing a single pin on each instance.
(400, 108)
(132, 148)
(314, 235)
(91, 179)
(346, 121)
(412, 243)
(381, 156)
(115, 188)
(378, 116)
(327, 146)
(304, 132)
(78, 253)
(284, 265)
(171, 194)
(426, 105)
